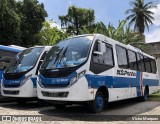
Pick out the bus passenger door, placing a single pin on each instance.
(102, 64)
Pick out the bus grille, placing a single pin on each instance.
(55, 94)
(13, 76)
(55, 86)
(11, 86)
(16, 92)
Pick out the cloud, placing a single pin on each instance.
(154, 35)
(55, 25)
(156, 15)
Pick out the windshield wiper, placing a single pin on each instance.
(62, 56)
(57, 56)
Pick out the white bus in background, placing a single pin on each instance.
(19, 79)
(95, 69)
(6, 55)
(17, 47)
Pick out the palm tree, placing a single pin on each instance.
(140, 15)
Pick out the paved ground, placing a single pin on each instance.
(79, 114)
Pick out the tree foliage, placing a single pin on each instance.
(20, 21)
(77, 19)
(32, 16)
(123, 33)
(140, 15)
(82, 21)
(50, 35)
(9, 22)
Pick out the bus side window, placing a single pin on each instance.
(106, 58)
(141, 65)
(153, 65)
(147, 64)
(122, 57)
(132, 60)
(102, 62)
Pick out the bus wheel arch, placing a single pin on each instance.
(147, 88)
(100, 101)
(104, 91)
(145, 93)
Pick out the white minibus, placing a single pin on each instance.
(19, 78)
(95, 69)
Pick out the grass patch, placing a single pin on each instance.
(155, 96)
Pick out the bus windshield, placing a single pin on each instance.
(69, 53)
(24, 61)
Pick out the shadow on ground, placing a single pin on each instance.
(29, 106)
(116, 111)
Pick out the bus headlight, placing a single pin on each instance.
(77, 77)
(39, 80)
(25, 79)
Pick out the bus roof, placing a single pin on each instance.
(17, 47)
(10, 48)
(118, 43)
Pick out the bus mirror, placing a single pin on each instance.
(102, 47)
(40, 62)
(98, 53)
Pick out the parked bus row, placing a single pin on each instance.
(92, 69)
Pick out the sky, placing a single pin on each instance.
(107, 11)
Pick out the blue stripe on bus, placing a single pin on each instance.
(138, 88)
(57, 81)
(16, 82)
(1, 73)
(9, 48)
(96, 81)
(34, 81)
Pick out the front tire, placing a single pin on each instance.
(97, 105)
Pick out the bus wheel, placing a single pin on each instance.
(146, 94)
(97, 105)
(59, 106)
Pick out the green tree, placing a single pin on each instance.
(123, 33)
(140, 15)
(32, 15)
(77, 19)
(98, 27)
(50, 35)
(9, 23)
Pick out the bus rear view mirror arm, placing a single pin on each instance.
(98, 53)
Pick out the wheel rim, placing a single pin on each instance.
(99, 102)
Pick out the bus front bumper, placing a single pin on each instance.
(24, 91)
(78, 92)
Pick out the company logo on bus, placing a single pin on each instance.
(55, 81)
(14, 82)
(124, 72)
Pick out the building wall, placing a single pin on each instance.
(155, 51)
(158, 65)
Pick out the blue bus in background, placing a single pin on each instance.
(6, 55)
